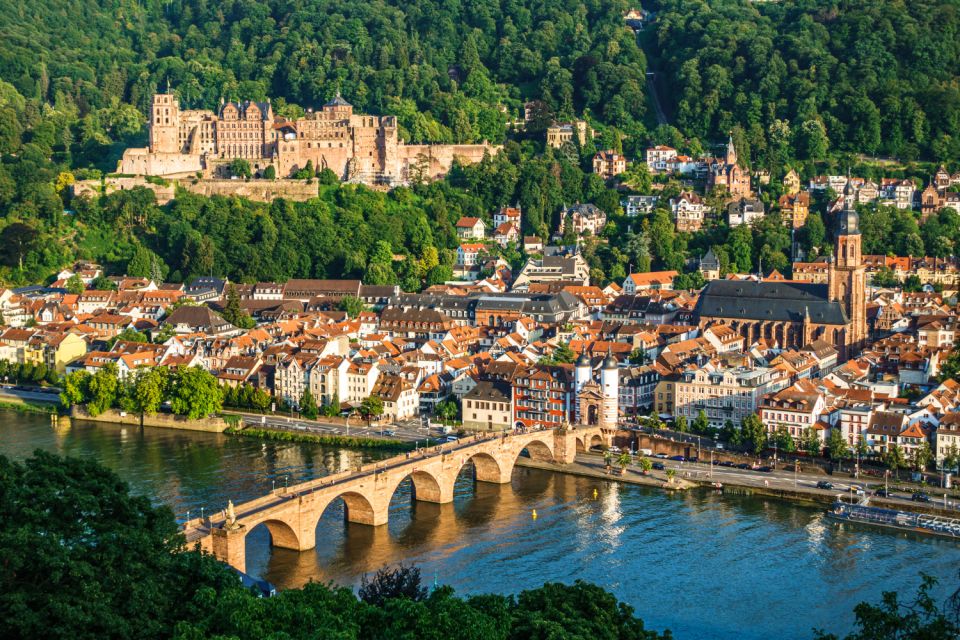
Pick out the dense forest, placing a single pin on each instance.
(796, 82)
(800, 78)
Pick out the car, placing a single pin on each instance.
(658, 466)
(596, 448)
(823, 484)
(920, 496)
(727, 463)
(882, 493)
(857, 491)
(693, 459)
(389, 432)
(677, 458)
(662, 456)
(765, 469)
(451, 439)
(716, 463)
(743, 465)
(614, 449)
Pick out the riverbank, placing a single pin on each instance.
(211, 424)
(27, 406)
(280, 435)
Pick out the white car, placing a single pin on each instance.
(614, 449)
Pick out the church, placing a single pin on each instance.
(726, 173)
(597, 403)
(793, 314)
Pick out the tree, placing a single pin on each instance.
(922, 619)
(74, 390)
(921, 456)
(810, 442)
(16, 241)
(103, 283)
(148, 391)
(352, 305)
(389, 584)
(624, 461)
(371, 407)
(102, 389)
(75, 285)
(951, 460)
(680, 424)
(701, 424)
(84, 559)
(308, 405)
(754, 433)
(195, 393)
(447, 410)
(234, 313)
(270, 173)
(239, 168)
(563, 353)
(638, 356)
(332, 409)
(784, 440)
(129, 335)
(894, 458)
(837, 447)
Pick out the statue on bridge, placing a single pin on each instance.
(231, 519)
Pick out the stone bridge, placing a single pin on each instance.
(291, 515)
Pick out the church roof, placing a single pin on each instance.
(770, 301)
(338, 101)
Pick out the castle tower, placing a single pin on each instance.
(164, 124)
(583, 371)
(610, 387)
(847, 277)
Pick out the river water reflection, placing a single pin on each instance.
(700, 564)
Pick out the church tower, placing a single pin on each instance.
(165, 124)
(731, 157)
(847, 278)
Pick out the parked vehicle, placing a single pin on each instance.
(658, 466)
(823, 484)
(743, 465)
(920, 496)
(662, 456)
(678, 458)
(766, 469)
(882, 493)
(389, 432)
(646, 452)
(451, 439)
(614, 449)
(857, 491)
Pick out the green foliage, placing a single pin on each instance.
(234, 313)
(308, 405)
(810, 442)
(837, 447)
(329, 440)
(784, 440)
(194, 393)
(332, 409)
(102, 389)
(352, 305)
(75, 285)
(893, 457)
(84, 559)
(239, 168)
(149, 390)
(270, 173)
(371, 407)
(754, 434)
(924, 618)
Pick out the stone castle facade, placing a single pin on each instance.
(356, 147)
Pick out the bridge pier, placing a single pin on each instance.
(229, 545)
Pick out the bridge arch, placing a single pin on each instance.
(538, 450)
(426, 486)
(282, 534)
(488, 468)
(581, 446)
(596, 440)
(357, 508)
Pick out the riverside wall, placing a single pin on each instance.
(162, 420)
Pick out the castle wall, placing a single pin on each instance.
(258, 190)
(438, 158)
(142, 162)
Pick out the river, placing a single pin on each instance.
(700, 564)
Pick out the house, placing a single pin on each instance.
(655, 280)
(488, 407)
(471, 228)
(795, 209)
(532, 244)
(744, 211)
(197, 319)
(688, 211)
(657, 157)
(506, 233)
(400, 398)
(468, 253)
(584, 218)
(507, 214)
(639, 205)
(710, 265)
(608, 164)
(566, 132)
(791, 183)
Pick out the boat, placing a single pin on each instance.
(895, 519)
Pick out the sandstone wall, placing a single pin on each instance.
(259, 190)
(438, 158)
(164, 420)
(142, 162)
(92, 188)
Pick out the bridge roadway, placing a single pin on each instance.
(291, 514)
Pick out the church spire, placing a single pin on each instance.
(731, 151)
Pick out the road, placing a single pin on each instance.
(780, 479)
(405, 430)
(655, 98)
(50, 395)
